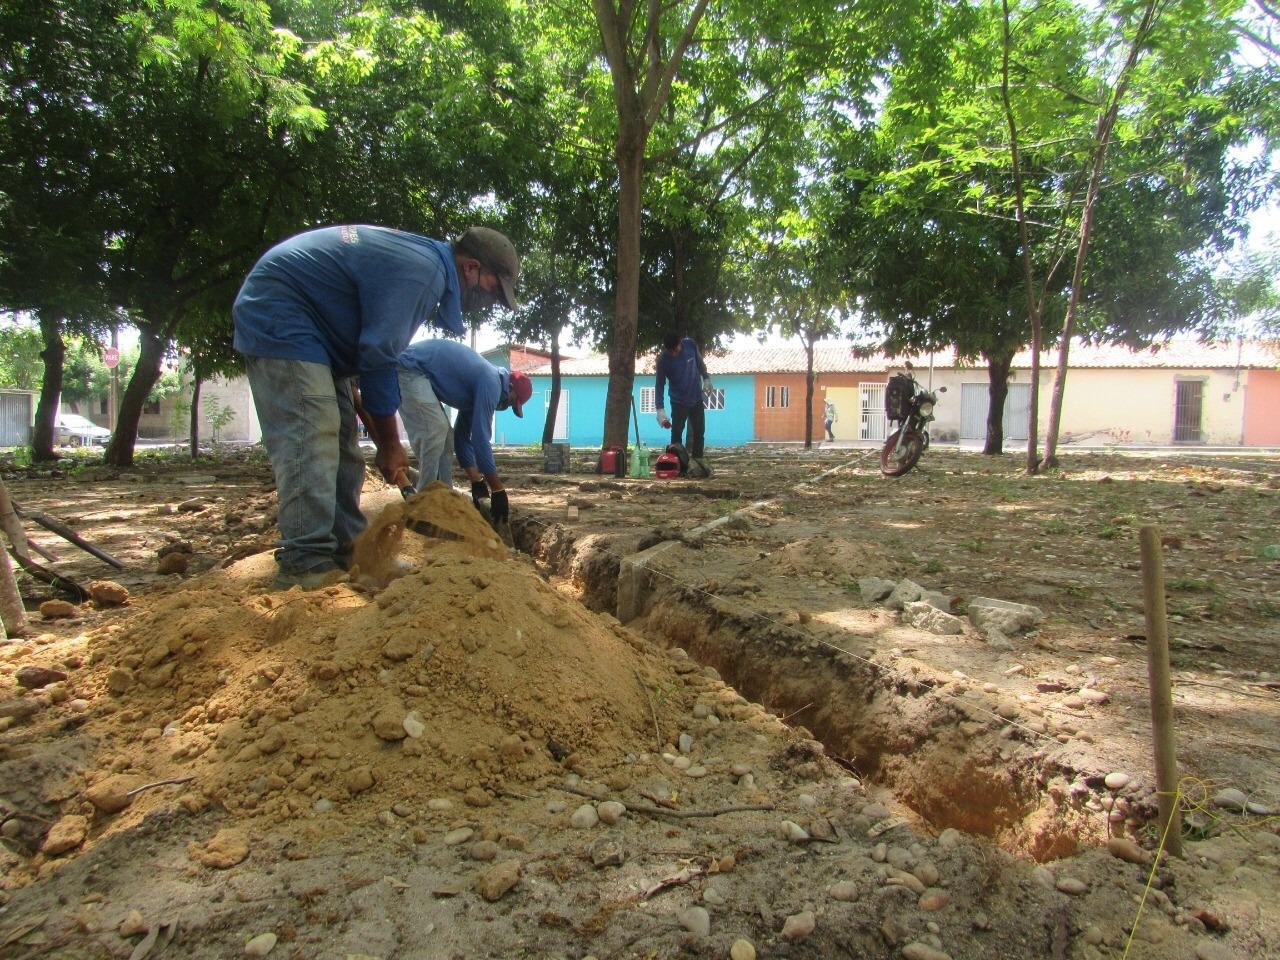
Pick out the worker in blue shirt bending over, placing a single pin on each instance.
(680, 365)
(325, 307)
(435, 372)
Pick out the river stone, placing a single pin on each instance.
(109, 794)
(1072, 886)
(922, 951)
(1116, 780)
(798, 925)
(33, 677)
(742, 950)
(793, 832)
(696, 920)
(607, 852)
(987, 613)
(495, 882)
(845, 891)
(934, 899)
(260, 945)
(611, 811)
(584, 818)
(1231, 799)
(455, 837)
(1125, 849)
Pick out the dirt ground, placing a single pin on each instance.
(909, 790)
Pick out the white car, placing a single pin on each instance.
(77, 431)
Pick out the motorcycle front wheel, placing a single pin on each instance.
(900, 453)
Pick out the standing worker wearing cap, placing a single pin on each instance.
(433, 372)
(320, 309)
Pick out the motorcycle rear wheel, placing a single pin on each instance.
(900, 453)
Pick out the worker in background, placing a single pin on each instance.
(828, 418)
(320, 309)
(681, 367)
(435, 372)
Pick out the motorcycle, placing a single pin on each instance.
(909, 405)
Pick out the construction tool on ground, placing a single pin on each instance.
(639, 456)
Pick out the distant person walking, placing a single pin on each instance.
(829, 417)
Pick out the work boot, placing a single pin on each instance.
(312, 579)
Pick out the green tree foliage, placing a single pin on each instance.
(21, 367)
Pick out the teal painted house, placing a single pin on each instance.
(584, 384)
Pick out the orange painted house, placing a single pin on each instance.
(1262, 408)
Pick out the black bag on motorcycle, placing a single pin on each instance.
(897, 396)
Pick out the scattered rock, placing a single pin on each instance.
(173, 563)
(742, 950)
(1125, 849)
(455, 837)
(359, 780)
(1071, 885)
(798, 925)
(611, 811)
(133, 924)
(260, 945)
(874, 589)
(224, 849)
(696, 920)
(922, 951)
(1116, 780)
(987, 613)
(33, 677)
(494, 883)
(67, 834)
(933, 899)
(119, 680)
(388, 723)
(925, 616)
(109, 795)
(607, 852)
(1231, 799)
(58, 610)
(108, 593)
(845, 891)
(414, 725)
(483, 850)
(585, 817)
(906, 591)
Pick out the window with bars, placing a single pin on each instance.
(713, 399)
(777, 396)
(646, 400)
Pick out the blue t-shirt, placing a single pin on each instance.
(349, 297)
(684, 372)
(469, 383)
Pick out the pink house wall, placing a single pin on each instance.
(1262, 409)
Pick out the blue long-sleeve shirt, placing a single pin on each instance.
(469, 383)
(349, 297)
(683, 372)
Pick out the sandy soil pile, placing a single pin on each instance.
(468, 674)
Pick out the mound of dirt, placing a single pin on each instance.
(468, 676)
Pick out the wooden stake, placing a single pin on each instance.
(1161, 694)
(12, 613)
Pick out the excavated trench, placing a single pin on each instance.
(953, 764)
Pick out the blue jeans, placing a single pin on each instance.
(429, 431)
(308, 419)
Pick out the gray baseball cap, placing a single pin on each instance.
(497, 253)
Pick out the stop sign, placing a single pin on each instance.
(111, 357)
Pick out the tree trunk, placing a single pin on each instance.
(808, 393)
(1102, 140)
(622, 340)
(997, 390)
(53, 355)
(195, 416)
(1033, 415)
(553, 403)
(145, 374)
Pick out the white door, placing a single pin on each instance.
(975, 402)
(872, 425)
(561, 433)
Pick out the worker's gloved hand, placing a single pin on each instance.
(499, 507)
(479, 491)
(663, 420)
(706, 384)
